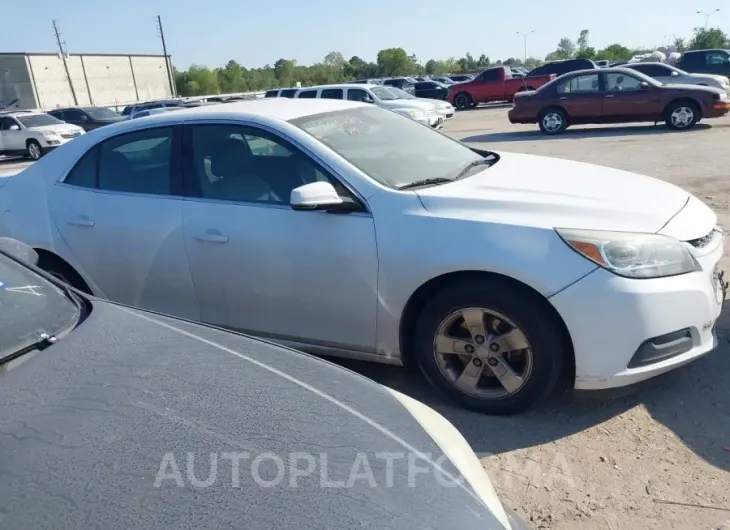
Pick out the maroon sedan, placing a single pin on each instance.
(616, 95)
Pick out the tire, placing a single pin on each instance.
(34, 151)
(539, 365)
(553, 121)
(463, 101)
(62, 271)
(681, 115)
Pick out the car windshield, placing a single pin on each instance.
(38, 120)
(392, 149)
(383, 93)
(400, 94)
(30, 306)
(101, 113)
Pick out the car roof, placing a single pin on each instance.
(341, 85)
(22, 113)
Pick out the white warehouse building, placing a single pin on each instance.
(40, 81)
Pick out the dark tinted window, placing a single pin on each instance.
(288, 93)
(494, 74)
(355, 94)
(394, 82)
(425, 85)
(7, 123)
(332, 93)
(717, 58)
(308, 94)
(127, 110)
(56, 114)
(84, 172)
(73, 115)
(137, 162)
(271, 93)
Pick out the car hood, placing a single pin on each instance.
(134, 420)
(407, 104)
(723, 80)
(690, 87)
(61, 128)
(554, 193)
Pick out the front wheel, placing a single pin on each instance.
(491, 346)
(34, 150)
(681, 115)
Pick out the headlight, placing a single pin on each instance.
(631, 255)
(723, 96)
(51, 135)
(413, 113)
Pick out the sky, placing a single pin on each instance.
(255, 33)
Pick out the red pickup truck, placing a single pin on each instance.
(493, 84)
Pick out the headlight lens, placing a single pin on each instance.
(413, 113)
(723, 97)
(631, 255)
(51, 135)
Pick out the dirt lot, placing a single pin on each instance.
(656, 458)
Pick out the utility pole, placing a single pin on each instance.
(161, 34)
(64, 54)
(525, 34)
(707, 15)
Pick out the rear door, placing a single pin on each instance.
(626, 100)
(119, 212)
(581, 96)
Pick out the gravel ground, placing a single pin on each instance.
(656, 458)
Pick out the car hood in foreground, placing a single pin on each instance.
(550, 192)
(134, 420)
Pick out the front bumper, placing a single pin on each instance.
(615, 322)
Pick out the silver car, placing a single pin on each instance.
(670, 75)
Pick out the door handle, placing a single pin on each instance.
(212, 237)
(611, 96)
(563, 97)
(82, 221)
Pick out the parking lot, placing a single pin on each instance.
(657, 457)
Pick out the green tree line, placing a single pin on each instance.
(335, 68)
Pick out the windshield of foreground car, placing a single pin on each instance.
(392, 149)
(101, 113)
(383, 93)
(30, 305)
(38, 120)
(400, 94)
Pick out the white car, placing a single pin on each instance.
(423, 111)
(670, 75)
(33, 133)
(444, 108)
(341, 229)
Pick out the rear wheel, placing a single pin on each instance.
(553, 121)
(491, 346)
(681, 115)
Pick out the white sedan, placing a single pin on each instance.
(344, 229)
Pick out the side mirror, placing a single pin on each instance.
(14, 128)
(19, 250)
(368, 99)
(674, 74)
(644, 85)
(315, 196)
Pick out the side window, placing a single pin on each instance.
(138, 162)
(8, 123)
(73, 115)
(226, 166)
(288, 93)
(622, 83)
(717, 58)
(307, 94)
(490, 75)
(356, 94)
(57, 114)
(83, 173)
(652, 70)
(271, 93)
(579, 84)
(332, 93)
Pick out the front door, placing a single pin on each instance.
(13, 138)
(259, 266)
(625, 99)
(119, 212)
(581, 97)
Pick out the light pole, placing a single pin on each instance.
(525, 34)
(707, 15)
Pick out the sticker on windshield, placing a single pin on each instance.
(2, 285)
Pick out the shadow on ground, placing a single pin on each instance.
(522, 136)
(692, 401)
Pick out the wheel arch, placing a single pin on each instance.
(415, 303)
(686, 99)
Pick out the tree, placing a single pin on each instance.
(284, 71)
(565, 50)
(335, 60)
(708, 38)
(614, 52)
(483, 61)
(583, 40)
(586, 53)
(394, 61)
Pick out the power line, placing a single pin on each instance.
(64, 55)
(161, 34)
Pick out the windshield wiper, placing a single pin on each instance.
(471, 165)
(425, 182)
(43, 341)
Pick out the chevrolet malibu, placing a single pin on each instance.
(120, 418)
(343, 229)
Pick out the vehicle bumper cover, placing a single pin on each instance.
(610, 319)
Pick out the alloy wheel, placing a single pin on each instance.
(34, 150)
(552, 121)
(483, 353)
(682, 117)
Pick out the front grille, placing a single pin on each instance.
(702, 242)
(432, 112)
(68, 135)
